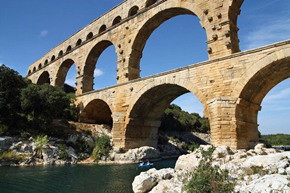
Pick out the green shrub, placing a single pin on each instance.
(191, 146)
(83, 146)
(40, 142)
(10, 155)
(174, 118)
(258, 170)
(208, 179)
(102, 147)
(63, 154)
(3, 129)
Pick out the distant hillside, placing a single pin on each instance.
(277, 139)
(175, 119)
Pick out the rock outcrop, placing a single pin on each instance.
(137, 154)
(258, 170)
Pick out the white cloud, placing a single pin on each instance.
(98, 72)
(276, 29)
(43, 33)
(285, 93)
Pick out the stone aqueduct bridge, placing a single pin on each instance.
(230, 86)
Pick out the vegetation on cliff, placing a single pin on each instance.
(277, 139)
(174, 118)
(30, 108)
(208, 178)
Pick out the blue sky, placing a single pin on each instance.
(30, 28)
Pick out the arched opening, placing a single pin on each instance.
(90, 35)
(68, 49)
(117, 20)
(46, 62)
(39, 66)
(60, 53)
(133, 11)
(29, 72)
(93, 74)
(52, 58)
(253, 93)
(150, 2)
(44, 78)
(102, 29)
(184, 43)
(146, 115)
(273, 118)
(66, 76)
(79, 42)
(97, 112)
(255, 20)
(34, 69)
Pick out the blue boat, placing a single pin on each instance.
(141, 165)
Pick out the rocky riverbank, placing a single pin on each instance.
(76, 147)
(258, 170)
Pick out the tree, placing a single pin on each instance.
(43, 103)
(174, 118)
(11, 84)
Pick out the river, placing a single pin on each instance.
(72, 178)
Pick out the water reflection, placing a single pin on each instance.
(79, 178)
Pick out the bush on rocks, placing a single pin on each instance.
(102, 147)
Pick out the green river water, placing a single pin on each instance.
(72, 178)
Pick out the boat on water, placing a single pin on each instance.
(142, 164)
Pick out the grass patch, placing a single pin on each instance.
(102, 147)
(209, 179)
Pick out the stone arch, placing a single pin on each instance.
(68, 49)
(40, 66)
(270, 70)
(150, 2)
(234, 10)
(29, 72)
(45, 62)
(90, 36)
(34, 69)
(90, 64)
(43, 78)
(62, 72)
(147, 29)
(79, 42)
(145, 111)
(117, 20)
(60, 53)
(102, 29)
(52, 58)
(133, 11)
(254, 85)
(97, 112)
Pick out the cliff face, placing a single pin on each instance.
(258, 170)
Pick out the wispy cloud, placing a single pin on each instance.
(285, 93)
(98, 72)
(277, 29)
(43, 33)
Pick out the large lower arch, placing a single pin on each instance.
(144, 115)
(96, 112)
(253, 87)
(147, 29)
(62, 72)
(44, 78)
(90, 64)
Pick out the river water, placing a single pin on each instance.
(72, 178)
